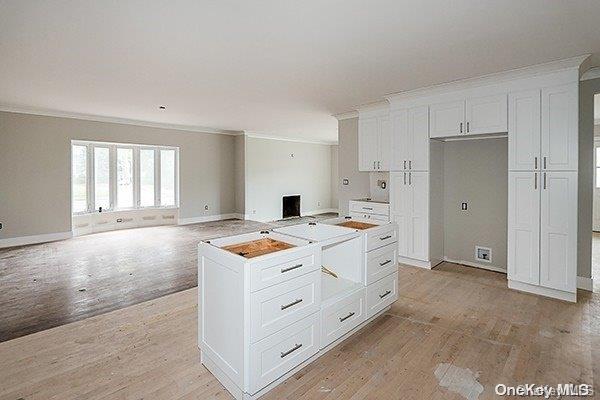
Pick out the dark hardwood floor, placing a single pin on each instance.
(51, 284)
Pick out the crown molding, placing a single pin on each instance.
(381, 105)
(346, 115)
(572, 63)
(258, 135)
(115, 120)
(592, 73)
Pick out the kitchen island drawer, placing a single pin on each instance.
(381, 262)
(278, 306)
(369, 207)
(271, 272)
(383, 236)
(277, 354)
(381, 294)
(343, 316)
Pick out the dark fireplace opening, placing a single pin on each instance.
(291, 206)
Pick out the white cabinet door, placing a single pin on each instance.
(368, 136)
(447, 119)
(559, 128)
(524, 227)
(418, 133)
(384, 144)
(488, 114)
(558, 260)
(400, 140)
(524, 130)
(418, 227)
(400, 209)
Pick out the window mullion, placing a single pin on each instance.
(91, 179)
(136, 177)
(157, 177)
(113, 176)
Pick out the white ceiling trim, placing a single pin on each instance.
(115, 120)
(346, 115)
(257, 135)
(513, 74)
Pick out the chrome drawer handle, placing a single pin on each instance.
(367, 208)
(290, 351)
(284, 270)
(293, 303)
(381, 296)
(342, 319)
(385, 263)
(385, 237)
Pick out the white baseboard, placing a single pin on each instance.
(414, 263)
(33, 239)
(475, 265)
(543, 291)
(585, 283)
(322, 211)
(209, 218)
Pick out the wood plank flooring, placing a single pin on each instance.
(51, 284)
(450, 321)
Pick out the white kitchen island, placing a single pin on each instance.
(266, 309)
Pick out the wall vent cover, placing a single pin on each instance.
(483, 254)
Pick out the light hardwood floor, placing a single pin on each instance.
(460, 323)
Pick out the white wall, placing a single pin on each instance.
(334, 177)
(276, 168)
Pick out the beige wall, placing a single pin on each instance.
(587, 89)
(35, 169)
(358, 186)
(272, 172)
(334, 177)
(476, 172)
(240, 174)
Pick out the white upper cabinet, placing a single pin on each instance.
(560, 128)
(447, 119)
(524, 130)
(471, 116)
(558, 241)
(368, 137)
(410, 139)
(524, 227)
(374, 142)
(487, 114)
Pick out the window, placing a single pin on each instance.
(167, 177)
(101, 178)
(79, 179)
(116, 176)
(124, 178)
(146, 178)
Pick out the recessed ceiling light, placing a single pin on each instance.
(162, 108)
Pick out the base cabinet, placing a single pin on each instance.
(542, 229)
(409, 200)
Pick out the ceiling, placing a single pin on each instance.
(279, 68)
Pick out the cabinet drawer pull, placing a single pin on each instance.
(284, 270)
(342, 319)
(367, 208)
(293, 303)
(290, 351)
(385, 263)
(544, 162)
(461, 124)
(385, 237)
(381, 296)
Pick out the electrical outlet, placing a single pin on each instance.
(318, 204)
(463, 206)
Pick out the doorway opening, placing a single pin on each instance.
(596, 198)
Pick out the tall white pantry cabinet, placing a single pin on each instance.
(542, 190)
(537, 108)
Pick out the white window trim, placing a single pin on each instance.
(90, 175)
